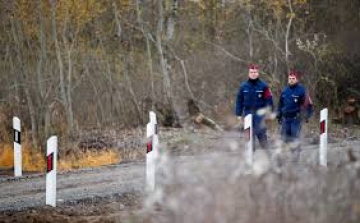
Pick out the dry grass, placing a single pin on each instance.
(30, 161)
(6, 156)
(35, 161)
(89, 159)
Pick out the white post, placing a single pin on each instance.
(151, 152)
(323, 136)
(17, 147)
(248, 127)
(51, 157)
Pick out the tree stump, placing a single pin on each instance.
(167, 115)
(199, 118)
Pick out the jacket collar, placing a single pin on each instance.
(253, 81)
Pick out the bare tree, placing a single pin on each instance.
(65, 83)
(21, 74)
(163, 59)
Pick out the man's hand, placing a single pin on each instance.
(240, 119)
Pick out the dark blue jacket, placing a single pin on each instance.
(293, 100)
(253, 95)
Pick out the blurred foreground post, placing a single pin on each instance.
(51, 157)
(248, 131)
(323, 136)
(151, 152)
(17, 147)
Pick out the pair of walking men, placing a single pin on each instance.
(255, 97)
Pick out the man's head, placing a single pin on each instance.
(253, 71)
(293, 77)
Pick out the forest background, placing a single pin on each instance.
(69, 65)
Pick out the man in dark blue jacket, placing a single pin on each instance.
(254, 96)
(294, 106)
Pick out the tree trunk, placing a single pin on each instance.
(164, 64)
(171, 20)
(131, 90)
(163, 60)
(65, 85)
(22, 77)
(148, 52)
(287, 35)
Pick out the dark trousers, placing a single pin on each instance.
(259, 129)
(290, 133)
(290, 129)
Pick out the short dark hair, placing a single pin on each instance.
(253, 66)
(295, 73)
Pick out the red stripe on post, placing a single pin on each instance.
(322, 127)
(149, 147)
(50, 162)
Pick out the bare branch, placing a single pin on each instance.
(226, 52)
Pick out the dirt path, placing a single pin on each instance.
(200, 163)
(17, 194)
